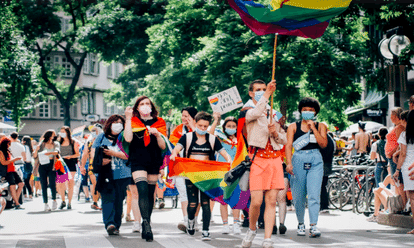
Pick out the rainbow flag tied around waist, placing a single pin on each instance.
(304, 18)
(205, 175)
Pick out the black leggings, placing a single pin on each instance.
(46, 171)
(27, 185)
(192, 195)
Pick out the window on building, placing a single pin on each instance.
(55, 106)
(74, 111)
(116, 65)
(94, 65)
(67, 67)
(44, 111)
(86, 65)
(49, 62)
(64, 24)
(85, 105)
(110, 75)
(62, 112)
(92, 102)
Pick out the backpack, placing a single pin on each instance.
(327, 156)
(381, 150)
(191, 140)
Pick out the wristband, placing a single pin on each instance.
(398, 169)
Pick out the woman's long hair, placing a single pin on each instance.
(409, 130)
(4, 147)
(47, 135)
(227, 120)
(28, 142)
(154, 112)
(68, 135)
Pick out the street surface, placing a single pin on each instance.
(83, 227)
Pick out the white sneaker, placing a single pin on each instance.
(47, 208)
(301, 230)
(267, 243)
(314, 232)
(248, 239)
(54, 205)
(205, 236)
(226, 229)
(136, 228)
(236, 228)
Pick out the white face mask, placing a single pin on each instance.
(63, 135)
(145, 110)
(117, 127)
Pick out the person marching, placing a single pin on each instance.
(188, 125)
(230, 129)
(114, 176)
(199, 145)
(266, 138)
(306, 165)
(143, 131)
(69, 150)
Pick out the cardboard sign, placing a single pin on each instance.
(226, 101)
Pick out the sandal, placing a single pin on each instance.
(411, 232)
(128, 218)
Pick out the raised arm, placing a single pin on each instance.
(216, 121)
(128, 128)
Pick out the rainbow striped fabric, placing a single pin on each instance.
(304, 18)
(232, 194)
(205, 175)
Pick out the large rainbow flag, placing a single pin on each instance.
(205, 175)
(304, 18)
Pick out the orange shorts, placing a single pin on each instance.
(266, 174)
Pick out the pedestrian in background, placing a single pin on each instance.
(28, 166)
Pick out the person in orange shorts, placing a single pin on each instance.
(266, 138)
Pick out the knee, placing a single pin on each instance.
(256, 203)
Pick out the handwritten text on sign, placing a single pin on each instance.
(226, 101)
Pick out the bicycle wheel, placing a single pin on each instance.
(338, 193)
(361, 202)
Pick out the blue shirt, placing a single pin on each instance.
(229, 150)
(119, 168)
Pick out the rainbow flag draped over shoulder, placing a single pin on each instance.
(205, 175)
(138, 126)
(232, 194)
(304, 18)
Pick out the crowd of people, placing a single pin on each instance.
(125, 159)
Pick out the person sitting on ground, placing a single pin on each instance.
(381, 196)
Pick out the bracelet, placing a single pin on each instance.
(398, 169)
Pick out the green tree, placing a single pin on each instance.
(41, 25)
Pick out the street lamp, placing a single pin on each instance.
(390, 48)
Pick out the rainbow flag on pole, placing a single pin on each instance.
(205, 175)
(304, 18)
(78, 132)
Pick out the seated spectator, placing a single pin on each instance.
(381, 196)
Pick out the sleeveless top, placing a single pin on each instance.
(66, 150)
(299, 133)
(391, 142)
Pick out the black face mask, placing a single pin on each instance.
(54, 138)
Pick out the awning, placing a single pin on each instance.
(372, 99)
(6, 126)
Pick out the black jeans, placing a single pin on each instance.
(324, 194)
(46, 171)
(192, 194)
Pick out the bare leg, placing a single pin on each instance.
(224, 214)
(184, 205)
(13, 193)
(95, 196)
(86, 191)
(377, 201)
(270, 212)
(61, 188)
(254, 211)
(128, 203)
(70, 186)
(19, 189)
(281, 199)
(236, 215)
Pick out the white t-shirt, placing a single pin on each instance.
(402, 139)
(374, 149)
(16, 149)
(28, 154)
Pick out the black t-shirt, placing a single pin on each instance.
(203, 149)
(139, 154)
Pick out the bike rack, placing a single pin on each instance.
(367, 169)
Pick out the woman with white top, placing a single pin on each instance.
(406, 159)
(28, 167)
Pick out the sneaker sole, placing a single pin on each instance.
(206, 239)
(301, 234)
(182, 227)
(314, 236)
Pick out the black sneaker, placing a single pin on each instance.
(282, 229)
(69, 206)
(18, 207)
(111, 230)
(245, 222)
(205, 236)
(190, 228)
(146, 231)
(274, 229)
(62, 205)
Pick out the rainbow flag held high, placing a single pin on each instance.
(205, 175)
(232, 194)
(304, 18)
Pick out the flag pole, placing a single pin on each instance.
(273, 76)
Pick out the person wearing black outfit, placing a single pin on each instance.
(143, 129)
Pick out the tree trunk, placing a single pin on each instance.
(66, 111)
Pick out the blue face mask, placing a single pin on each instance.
(308, 115)
(200, 132)
(230, 131)
(258, 95)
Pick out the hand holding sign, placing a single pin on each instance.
(226, 101)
